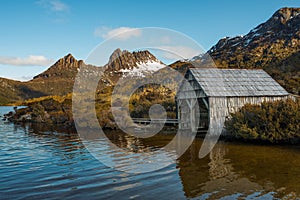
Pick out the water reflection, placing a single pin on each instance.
(39, 161)
(240, 171)
(57, 137)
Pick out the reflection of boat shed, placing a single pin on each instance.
(221, 91)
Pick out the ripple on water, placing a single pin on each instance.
(36, 163)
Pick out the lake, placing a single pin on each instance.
(39, 161)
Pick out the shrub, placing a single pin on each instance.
(275, 122)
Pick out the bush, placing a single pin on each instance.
(275, 122)
(141, 101)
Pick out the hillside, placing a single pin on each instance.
(9, 91)
(274, 40)
(14, 91)
(58, 80)
(273, 45)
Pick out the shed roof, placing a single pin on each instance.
(237, 82)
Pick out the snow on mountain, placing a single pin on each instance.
(132, 64)
(143, 68)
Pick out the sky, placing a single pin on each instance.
(36, 33)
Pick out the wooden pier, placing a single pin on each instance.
(148, 121)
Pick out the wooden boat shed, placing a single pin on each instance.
(219, 92)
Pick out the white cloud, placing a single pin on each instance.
(121, 33)
(53, 5)
(58, 6)
(179, 52)
(29, 61)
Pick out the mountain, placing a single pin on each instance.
(271, 45)
(66, 67)
(136, 64)
(9, 90)
(59, 78)
(287, 72)
(120, 60)
(274, 40)
(13, 91)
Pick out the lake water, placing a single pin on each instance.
(47, 162)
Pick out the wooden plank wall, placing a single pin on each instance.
(221, 107)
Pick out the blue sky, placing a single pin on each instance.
(36, 33)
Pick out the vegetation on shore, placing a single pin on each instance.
(48, 109)
(58, 109)
(273, 122)
(142, 100)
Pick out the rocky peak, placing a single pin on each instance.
(275, 39)
(65, 67)
(273, 46)
(69, 58)
(116, 54)
(126, 60)
(68, 61)
(284, 21)
(285, 14)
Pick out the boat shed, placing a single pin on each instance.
(220, 92)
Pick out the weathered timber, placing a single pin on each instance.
(220, 92)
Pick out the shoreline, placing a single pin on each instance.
(52, 113)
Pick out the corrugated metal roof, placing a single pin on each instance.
(237, 82)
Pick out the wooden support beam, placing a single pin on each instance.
(179, 102)
(205, 103)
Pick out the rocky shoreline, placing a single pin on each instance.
(47, 111)
(52, 110)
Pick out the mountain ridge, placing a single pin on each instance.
(260, 46)
(65, 67)
(267, 46)
(59, 78)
